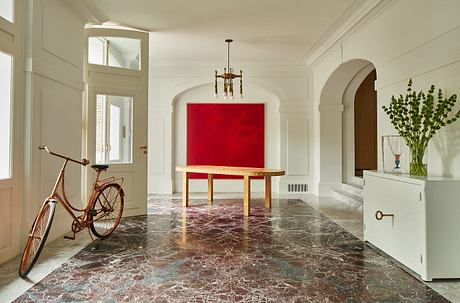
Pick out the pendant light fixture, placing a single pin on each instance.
(228, 77)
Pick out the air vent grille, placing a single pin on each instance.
(297, 188)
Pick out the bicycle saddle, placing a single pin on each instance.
(99, 167)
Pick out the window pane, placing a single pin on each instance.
(6, 9)
(100, 122)
(114, 51)
(95, 50)
(113, 129)
(5, 115)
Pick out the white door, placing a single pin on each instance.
(117, 136)
(116, 112)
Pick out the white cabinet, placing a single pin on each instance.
(415, 220)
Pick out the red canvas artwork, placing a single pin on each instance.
(225, 134)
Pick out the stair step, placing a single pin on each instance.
(353, 188)
(358, 180)
(350, 199)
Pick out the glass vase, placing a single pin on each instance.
(417, 166)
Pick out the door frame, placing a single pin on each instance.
(15, 48)
(107, 80)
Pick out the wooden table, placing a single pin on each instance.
(246, 172)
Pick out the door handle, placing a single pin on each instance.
(143, 147)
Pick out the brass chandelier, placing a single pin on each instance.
(228, 77)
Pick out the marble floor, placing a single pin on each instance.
(297, 252)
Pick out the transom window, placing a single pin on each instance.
(115, 51)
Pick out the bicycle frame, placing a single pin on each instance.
(84, 220)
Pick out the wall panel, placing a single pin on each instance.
(6, 218)
(297, 147)
(156, 152)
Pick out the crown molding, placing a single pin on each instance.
(356, 15)
(88, 11)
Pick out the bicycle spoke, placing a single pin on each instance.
(37, 238)
(108, 207)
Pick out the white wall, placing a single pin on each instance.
(54, 85)
(288, 118)
(405, 39)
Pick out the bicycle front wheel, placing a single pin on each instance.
(107, 210)
(37, 238)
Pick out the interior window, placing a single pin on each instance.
(5, 115)
(113, 129)
(6, 9)
(114, 51)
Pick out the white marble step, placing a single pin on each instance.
(358, 180)
(350, 194)
(356, 189)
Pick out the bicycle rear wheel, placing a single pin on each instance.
(107, 210)
(37, 238)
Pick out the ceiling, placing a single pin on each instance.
(278, 31)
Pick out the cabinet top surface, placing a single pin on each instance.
(409, 178)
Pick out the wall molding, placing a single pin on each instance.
(49, 71)
(357, 15)
(87, 11)
(330, 107)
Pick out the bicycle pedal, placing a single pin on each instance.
(92, 212)
(70, 237)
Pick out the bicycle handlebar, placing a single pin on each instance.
(83, 162)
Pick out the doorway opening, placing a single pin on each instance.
(365, 125)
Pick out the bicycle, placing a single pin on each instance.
(101, 215)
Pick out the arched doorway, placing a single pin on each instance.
(336, 124)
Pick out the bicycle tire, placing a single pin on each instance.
(108, 206)
(37, 237)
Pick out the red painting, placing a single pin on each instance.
(225, 134)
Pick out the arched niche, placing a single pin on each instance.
(203, 93)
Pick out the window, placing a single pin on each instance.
(114, 51)
(113, 129)
(6, 9)
(5, 115)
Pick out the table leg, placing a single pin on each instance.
(247, 195)
(185, 189)
(210, 188)
(268, 192)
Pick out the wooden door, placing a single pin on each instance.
(366, 126)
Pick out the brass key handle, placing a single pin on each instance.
(379, 215)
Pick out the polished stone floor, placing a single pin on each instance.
(293, 253)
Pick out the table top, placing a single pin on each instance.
(231, 170)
